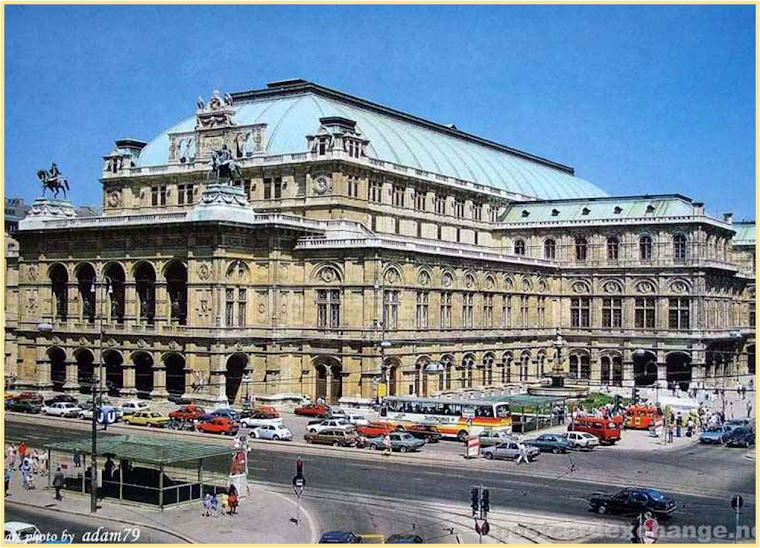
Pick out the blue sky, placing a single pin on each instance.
(639, 99)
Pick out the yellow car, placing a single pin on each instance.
(147, 418)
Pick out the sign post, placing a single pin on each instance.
(473, 447)
(737, 502)
(299, 483)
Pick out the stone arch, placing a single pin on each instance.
(86, 277)
(329, 384)
(580, 364)
(59, 282)
(489, 358)
(646, 246)
(448, 278)
(644, 367)
(327, 272)
(679, 286)
(611, 367)
(238, 271)
(85, 360)
(393, 372)
(524, 365)
(143, 362)
(175, 274)
(420, 375)
(541, 363)
(393, 274)
(115, 277)
(678, 370)
(680, 246)
(580, 286)
(114, 372)
(444, 379)
(424, 276)
(490, 282)
(612, 285)
(543, 285)
(470, 281)
(175, 373)
(527, 284)
(235, 369)
(509, 283)
(468, 366)
(57, 357)
(145, 285)
(507, 359)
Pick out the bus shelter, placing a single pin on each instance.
(531, 413)
(143, 469)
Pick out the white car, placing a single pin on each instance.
(132, 406)
(331, 424)
(62, 409)
(86, 413)
(581, 440)
(17, 532)
(250, 422)
(272, 432)
(357, 420)
(338, 413)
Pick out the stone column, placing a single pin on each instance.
(131, 311)
(72, 377)
(163, 314)
(128, 389)
(159, 392)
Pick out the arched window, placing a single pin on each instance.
(145, 284)
(520, 247)
(679, 247)
(550, 249)
(613, 249)
(59, 280)
(581, 249)
(605, 362)
(645, 248)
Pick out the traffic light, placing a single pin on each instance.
(485, 501)
(635, 395)
(475, 500)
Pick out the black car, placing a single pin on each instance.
(61, 398)
(340, 537)
(400, 538)
(740, 437)
(23, 406)
(632, 500)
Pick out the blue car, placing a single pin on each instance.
(717, 435)
(340, 537)
(550, 443)
(226, 412)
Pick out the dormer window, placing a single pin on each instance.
(650, 208)
(525, 213)
(585, 211)
(555, 212)
(322, 150)
(618, 210)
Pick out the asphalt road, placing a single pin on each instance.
(375, 493)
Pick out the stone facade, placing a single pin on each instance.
(287, 281)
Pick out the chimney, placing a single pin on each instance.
(728, 218)
(699, 208)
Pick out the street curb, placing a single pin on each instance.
(137, 523)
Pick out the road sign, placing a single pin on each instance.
(473, 447)
(106, 415)
(482, 528)
(298, 485)
(737, 502)
(650, 531)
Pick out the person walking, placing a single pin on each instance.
(232, 500)
(523, 453)
(58, 481)
(207, 506)
(12, 457)
(387, 445)
(22, 451)
(749, 409)
(26, 470)
(7, 480)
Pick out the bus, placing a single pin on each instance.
(455, 418)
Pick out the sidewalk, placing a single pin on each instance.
(263, 517)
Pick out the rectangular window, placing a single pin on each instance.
(477, 211)
(488, 310)
(322, 147)
(396, 226)
(678, 313)
(229, 311)
(247, 188)
(328, 308)
(542, 312)
(422, 309)
(353, 187)
(398, 196)
(241, 319)
(390, 309)
(419, 201)
(524, 311)
(612, 313)
(492, 213)
(267, 189)
(458, 207)
(506, 311)
(645, 313)
(185, 194)
(446, 310)
(467, 309)
(580, 312)
(376, 191)
(440, 205)
(277, 188)
(158, 195)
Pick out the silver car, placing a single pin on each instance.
(494, 437)
(509, 450)
(272, 432)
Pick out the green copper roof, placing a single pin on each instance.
(745, 233)
(293, 112)
(612, 208)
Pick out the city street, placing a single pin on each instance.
(365, 492)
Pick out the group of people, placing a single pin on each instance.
(30, 463)
(221, 503)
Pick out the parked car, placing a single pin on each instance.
(632, 500)
(272, 432)
(17, 532)
(337, 413)
(340, 537)
(428, 432)
(509, 450)
(86, 412)
(494, 437)
(581, 440)
(255, 422)
(606, 430)
(219, 425)
(374, 429)
(404, 538)
(23, 406)
(147, 418)
(187, 413)
(266, 411)
(357, 420)
(131, 406)
(33, 396)
(746, 423)
(331, 424)
(740, 437)
(179, 399)
(227, 412)
(336, 437)
(61, 398)
(718, 434)
(62, 409)
(553, 443)
(402, 442)
(312, 410)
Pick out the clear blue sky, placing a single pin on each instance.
(639, 99)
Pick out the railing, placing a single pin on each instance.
(110, 220)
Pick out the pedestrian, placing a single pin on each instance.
(58, 482)
(749, 408)
(690, 428)
(207, 506)
(679, 425)
(387, 445)
(522, 453)
(7, 480)
(12, 458)
(108, 469)
(214, 506)
(26, 470)
(77, 460)
(671, 432)
(232, 500)
(22, 451)
(35, 462)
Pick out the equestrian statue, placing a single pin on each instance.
(223, 165)
(53, 180)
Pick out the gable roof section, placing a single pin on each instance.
(745, 233)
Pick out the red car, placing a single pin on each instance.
(187, 412)
(375, 429)
(267, 411)
(312, 410)
(219, 425)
